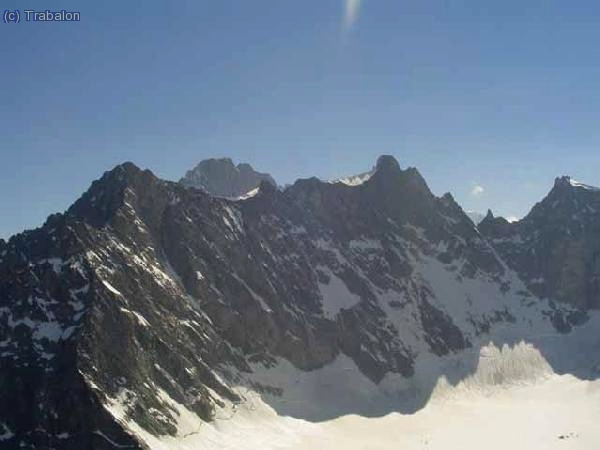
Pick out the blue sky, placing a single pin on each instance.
(503, 96)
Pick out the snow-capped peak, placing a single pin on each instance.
(582, 185)
(567, 181)
(354, 180)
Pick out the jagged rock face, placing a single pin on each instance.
(220, 177)
(146, 294)
(555, 249)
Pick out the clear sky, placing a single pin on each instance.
(490, 100)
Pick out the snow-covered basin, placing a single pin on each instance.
(559, 412)
(512, 398)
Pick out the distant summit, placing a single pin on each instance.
(475, 216)
(222, 178)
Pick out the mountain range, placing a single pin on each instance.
(150, 309)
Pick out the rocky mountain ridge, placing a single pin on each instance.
(148, 299)
(556, 247)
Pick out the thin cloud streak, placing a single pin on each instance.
(351, 13)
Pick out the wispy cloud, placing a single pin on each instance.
(351, 13)
(477, 191)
